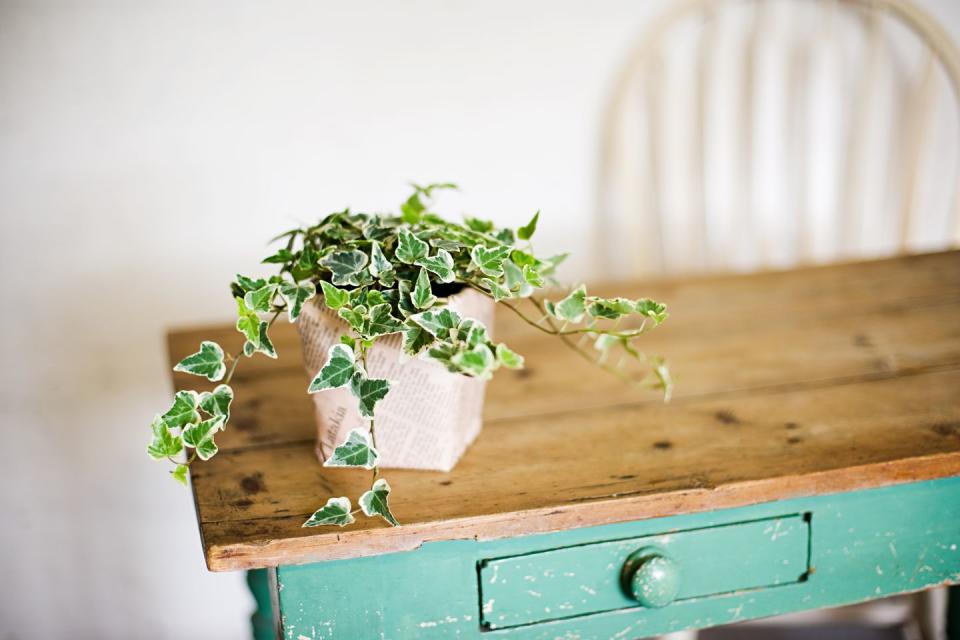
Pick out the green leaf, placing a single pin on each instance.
(478, 225)
(295, 295)
(472, 332)
(505, 236)
(499, 291)
(180, 474)
(532, 277)
(260, 299)
(508, 358)
(184, 409)
(336, 511)
(410, 248)
(374, 502)
(440, 264)
(248, 322)
(280, 257)
(610, 308)
(345, 266)
(200, 437)
(438, 322)
(368, 392)
(526, 231)
(249, 284)
(308, 258)
(515, 281)
(207, 362)
(164, 443)
(651, 309)
(378, 262)
(478, 361)
(412, 210)
(262, 345)
(381, 321)
(422, 296)
(490, 261)
(356, 451)
(218, 402)
(337, 371)
(416, 339)
(334, 297)
(573, 306)
(355, 317)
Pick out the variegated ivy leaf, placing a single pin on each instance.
(208, 362)
(472, 332)
(164, 443)
(356, 317)
(651, 309)
(610, 308)
(381, 321)
(184, 409)
(356, 451)
(532, 276)
(499, 291)
(262, 344)
(248, 322)
(422, 296)
(438, 322)
(478, 225)
(374, 502)
(549, 266)
(410, 248)
(250, 284)
(334, 297)
(515, 281)
(217, 403)
(337, 371)
(308, 258)
(505, 236)
(526, 231)
(180, 474)
(336, 511)
(478, 361)
(440, 264)
(200, 437)
(415, 339)
(490, 261)
(345, 266)
(378, 262)
(260, 299)
(404, 301)
(573, 306)
(295, 295)
(507, 358)
(368, 392)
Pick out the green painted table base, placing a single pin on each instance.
(859, 546)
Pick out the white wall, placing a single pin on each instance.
(147, 150)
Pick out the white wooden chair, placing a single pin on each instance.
(751, 134)
(746, 134)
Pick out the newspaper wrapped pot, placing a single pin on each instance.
(430, 416)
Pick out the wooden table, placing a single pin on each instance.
(810, 458)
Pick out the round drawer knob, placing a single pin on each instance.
(652, 578)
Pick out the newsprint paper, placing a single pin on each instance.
(430, 416)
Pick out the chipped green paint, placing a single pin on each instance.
(545, 586)
(861, 545)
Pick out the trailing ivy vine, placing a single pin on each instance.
(387, 274)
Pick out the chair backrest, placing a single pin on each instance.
(746, 134)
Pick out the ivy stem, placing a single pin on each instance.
(373, 431)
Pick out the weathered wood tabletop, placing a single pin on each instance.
(788, 384)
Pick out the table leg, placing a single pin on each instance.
(262, 618)
(953, 612)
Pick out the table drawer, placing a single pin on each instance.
(647, 571)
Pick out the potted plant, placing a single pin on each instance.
(385, 304)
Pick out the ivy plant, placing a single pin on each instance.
(387, 274)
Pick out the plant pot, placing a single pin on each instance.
(430, 416)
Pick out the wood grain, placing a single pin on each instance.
(807, 382)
